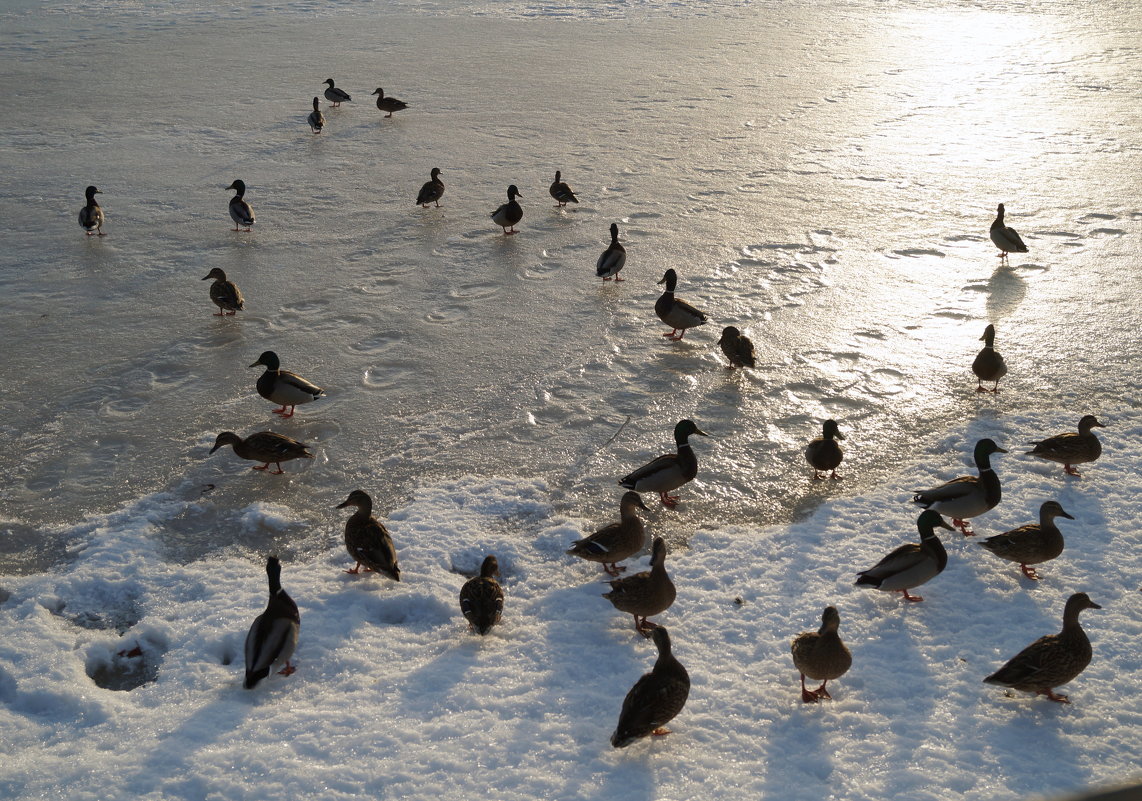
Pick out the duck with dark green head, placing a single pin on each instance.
(988, 364)
(241, 212)
(966, 496)
(912, 564)
(824, 454)
(675, 312)
(482, 598)
(91, 215)
(669, 471)
(281, 386)
(655, 699)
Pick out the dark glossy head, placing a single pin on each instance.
(269, 360)
(315, 103)
(239, 186)
(614, 231)
(830, 430)
(274, 573)
(988, 335)
(513, 192)
(91, 192)
(670, 278)
(435, 172)
(216, 273)
(986, 447)
(1000, 210)
(685, 428)
(729, 333)
(378, 91)
(929, 520)
(329, 81)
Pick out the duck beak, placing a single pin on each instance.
(341, 505)
(1093, 605)
(255, 364)
(700, 431)
(217, 445)
(1064, 514)
(839, 435)
(205, 277)
(999, 449)
(944, 524)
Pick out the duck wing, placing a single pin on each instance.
(956, 488)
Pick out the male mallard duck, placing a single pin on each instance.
(669, 471)
(273, 636)
(988, 364)
(482, 598)
(910, 565)
(823, 453)
(91, 215)
(432, 190)
(615, 542)
(367, 540)
(644, 594)
(737, 347)
(1006, 239)
(281, 386)
(1051, 660)
(655, 699)
(334, 95)
(561, 192)
(674, 312)
(612, 259)
(224, 293)
(389, 104)
(241, 212)
(507, 215)
(1033, 543)
(316, 119)
(821, 655)
(264, 446)
(966, 496)
(1070, 448)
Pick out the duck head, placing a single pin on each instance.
(359, 499)
(929, 520)
(685, 428)
(632, 499)
(830, 431)
(1053, 509)
(513, 193)
(239, 187)
(269, 360)
(226, 438)
(490, 567)
(670, 278)
(215, 273)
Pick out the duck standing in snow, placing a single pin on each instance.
(911, 564)
(645, 594)
(482, 598)
(821, 655)
(432, 190)
(367, 540)
(507, 215)
(388, 104)
(281, 386)
(241, 212)
(1005, 238)
(737, 348)
(224, 293)
(988, 364)
(824, 453)
(91, 215)
(1051, 660)
(669, 471)
(264, 446)
(612, 259)
(1070, 448)
(273, 636)
(561, 192)
(316, 119)
(615, 542)
(675, 312)
(966, 496)
(334, 95)
(1033, 543)
(655, 699)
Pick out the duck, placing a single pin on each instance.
(911, 564)
(988, 364)
(1070, 448)
(676, 313)
(1052, 660)
(367, 540)
(737, 348)
(823, 453)
(224, 293)
(432, 190)
(1004, 237)
(91, 215)
(561, 192)
(316, 119)
(966, 496)
(241, 212)
(482, 598)
(273, 635)
(389, 104)
(655, 699)
(334, 95)
(281, 386)
(1033, 543)
(507, 215)
(645, 594)
(612, 259)
(264, 446)
(669, 471)
(615, 542)
(821, 655)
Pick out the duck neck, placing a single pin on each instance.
(931, 543)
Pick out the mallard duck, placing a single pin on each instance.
(1005, 238)
(316, 119)
(432, 190)
(241, 212)
(911, 564)
(91, 215)
(823, 453)
(737, 347)
(655, 699)
(612, 259)
(273, 636)
(644, 594)
(1070, 448)
(821, 655)
(1051, 660)
(966, 496)
(264, 446)
(281, 386)
(334, 95)
(561, 192)
(389, 104)
(224, 293)
(669, 471)
(482, 598)
(1033, 543)
(674, 312)
(367, 540)
(988, 364)
(615, 542)
(507, 215)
